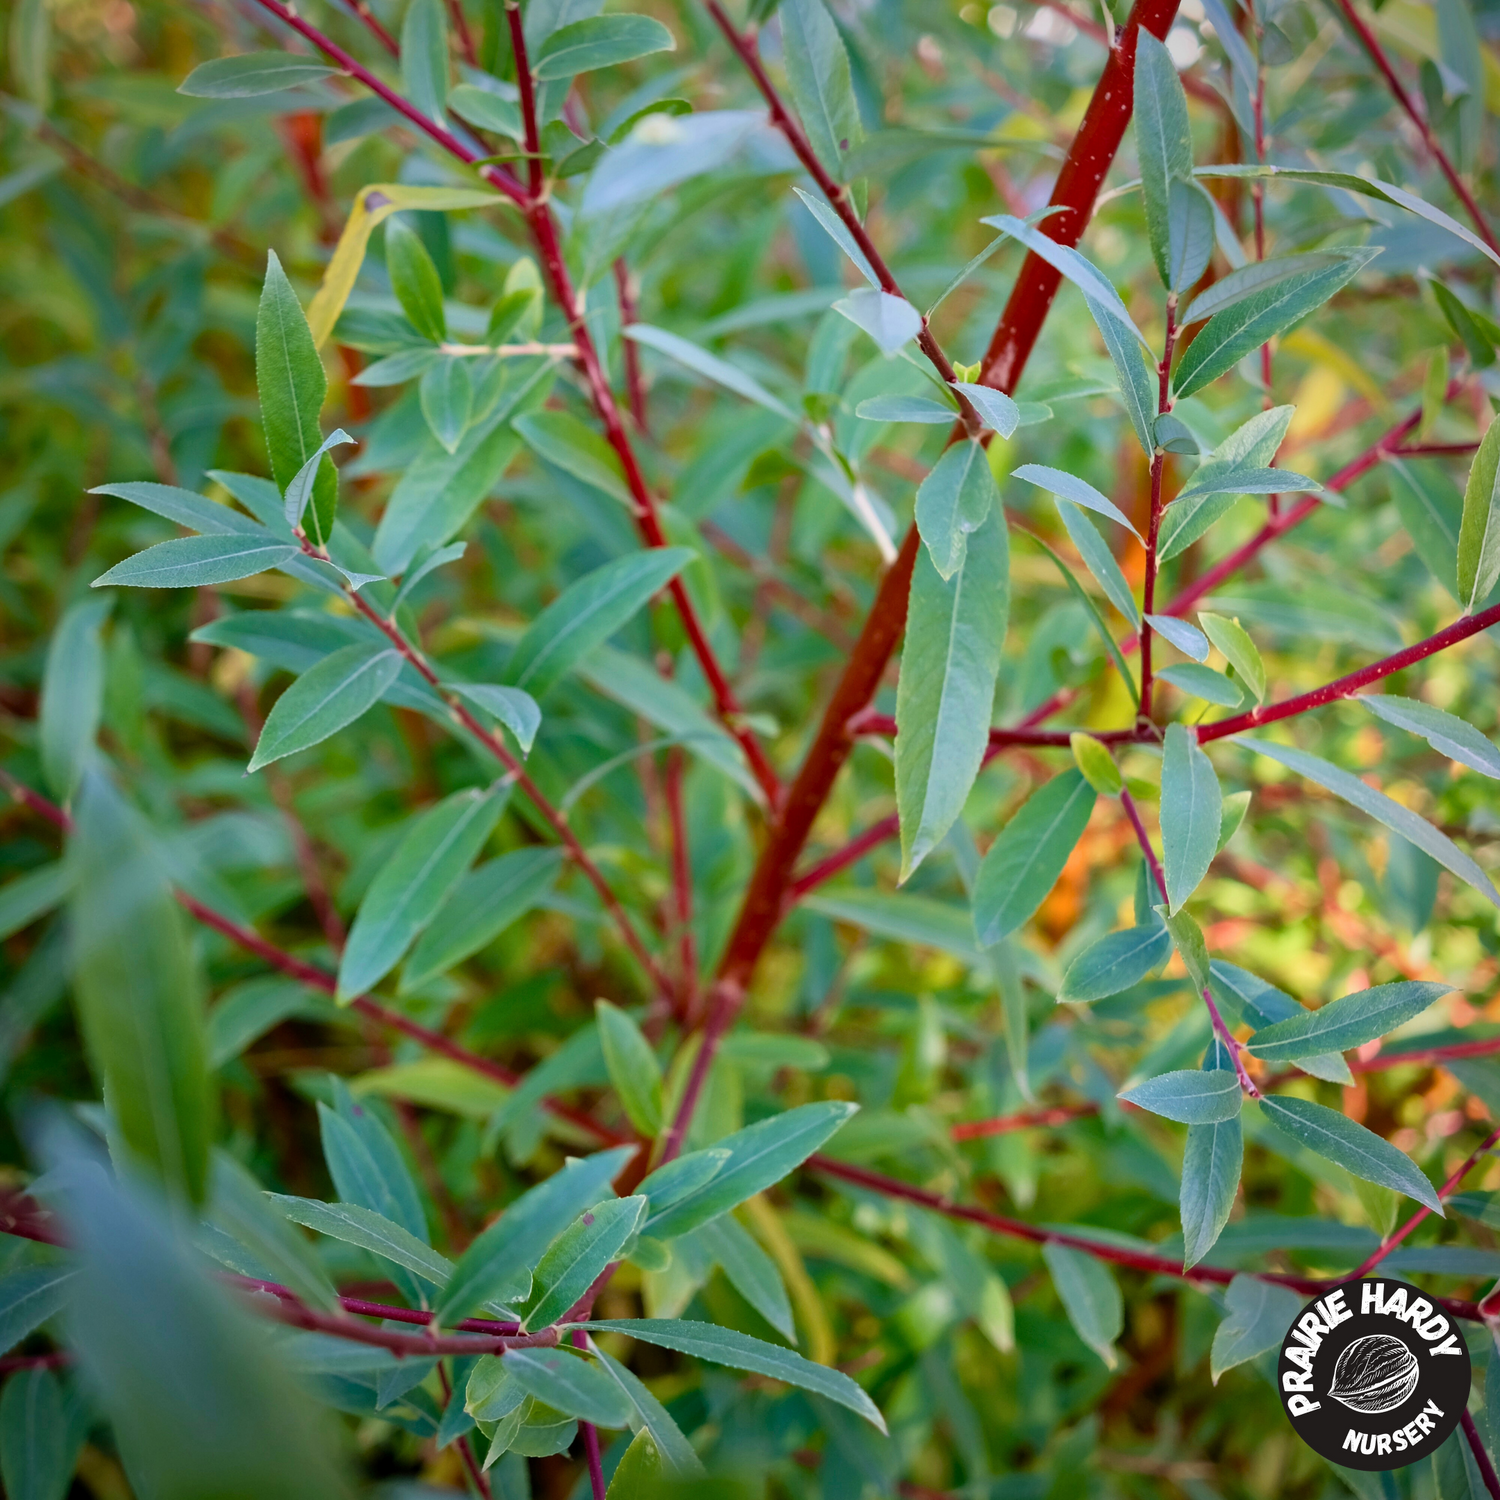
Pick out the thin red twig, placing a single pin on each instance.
(635, 385)
(1481, 1456)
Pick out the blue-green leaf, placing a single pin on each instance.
(247, 75)
(1348, 1022)
(1116, 962)
(600, 42)
(72, 695)
(1260, 1313)
(1445, 732)
(1070, 487)
(578, 1255)
(1090, 1297)
(1191, 809)
(192, 561)
(953, 501)
(325, 699)
(1211, 1166)
(567, 1382)
(1190, 1096)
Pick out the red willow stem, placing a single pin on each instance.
(682, 879)
(1448, 1188)
(1378, 56)
(1481, 1456)
(543, 225)
(765, 901)
(1026, 1119)
(1158, 466)
(590, 1434)
(372, 24)
(464, 34)
(635, 385)
(497, 747)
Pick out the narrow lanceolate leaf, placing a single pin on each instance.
(946, 692)
(29, 1296)
(838, 232)
(512, 707)
(498, 1263)
(751, 1272)
(638, 1475)
(1092, 757)
(137, 992)
(1187, 638)
(1163, 142)
(1239, 284)
(1190, 233)
(484, 903)
(954, 500)
(1360, 1151)
(38, 1444)
(1191, 808)
(1188, 939)
(720, 371)
(1202, 682)
(1445, 732)
(249, 74)
(891, 321)
(370, 1231)
(1348, 1022)
(578, 1255)
(817, 68)
(906, 409)
(676, 1452)
(1230, 335)
(633, 1068)
(291, 384)
(1116, 962)
(1023, 863)
(1399, 819)
(1240, 651)
(759, 1156)
(684, 1175)
(588, 612)
(1070, 487)
(567, 1382)
(996, 410)
(413, 885)
(415, 280)
(1259, 1314)
(1210, 1179)
(1090, 1297)
(72, 695)
(1245, 996)
(1479, 531)
(724, 1346)
(1189, 1096)
(1099, 560)
(191, 561)
(600, 42)
(325, 699)
(446, 395)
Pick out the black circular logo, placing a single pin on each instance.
(1374, 1375)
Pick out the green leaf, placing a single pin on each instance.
(1098, 766)
(182, 506)
(1340, 1140)
(1102, 630)
(415, 280)
(1235, 286)
(588, 612)
(484, 903)
(1024, 862)
(759, 1157)
(1445, 732)
(1189, 1096)
(1479, 532)
(1099, 560)
(1202, 682)
(30, 1295)
(720, 371)
(1116, 962)
(1230, 335)
(1398, 819)
(487, 110)
(633, 1068)
(1190, 232)
(600, 42)
(677, 1453)
(446, 395)
(891, 321)
(137, 992)
(371, 1231)
(365, 1163)
(1187, 938)
(817, 68)
(512, 707)
(946, 691)
(1235, 645)
(567, 1382)
(1191, 808)
(1211, 1166)
(300, 490)
(414, 883)
(1348, 1022)
(250, 74)
(1475, 331)
(497, 1264)
(953, 501)
(561, 439)
(1187, 638)
(838, 232)
(579, 1254)
(1245, 996)
(638, 1475)
(38, 1444)
(996, 410)
(493, 1391)
(750, 1270)
(291, 384)
(907, 409)
(1246, 481)
(228, 1406)
(1163, 143)
(72, 695)
(1090, 1297)
(192, 561)
(325, 699)
(1070, 487)
(1260, 1312)
(681, 1176)
(724, 1346)
(424, 57)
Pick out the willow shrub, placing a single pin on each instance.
(638, 866)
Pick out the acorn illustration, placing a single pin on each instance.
(1375, 1373)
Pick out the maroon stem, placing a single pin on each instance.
(1405, 100)
(464, 34)
(1026, 1119)
(682, 879)
(1481, 1457)
(1158, 464)
(590, 1434)
(852, 852)
(635, 385)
